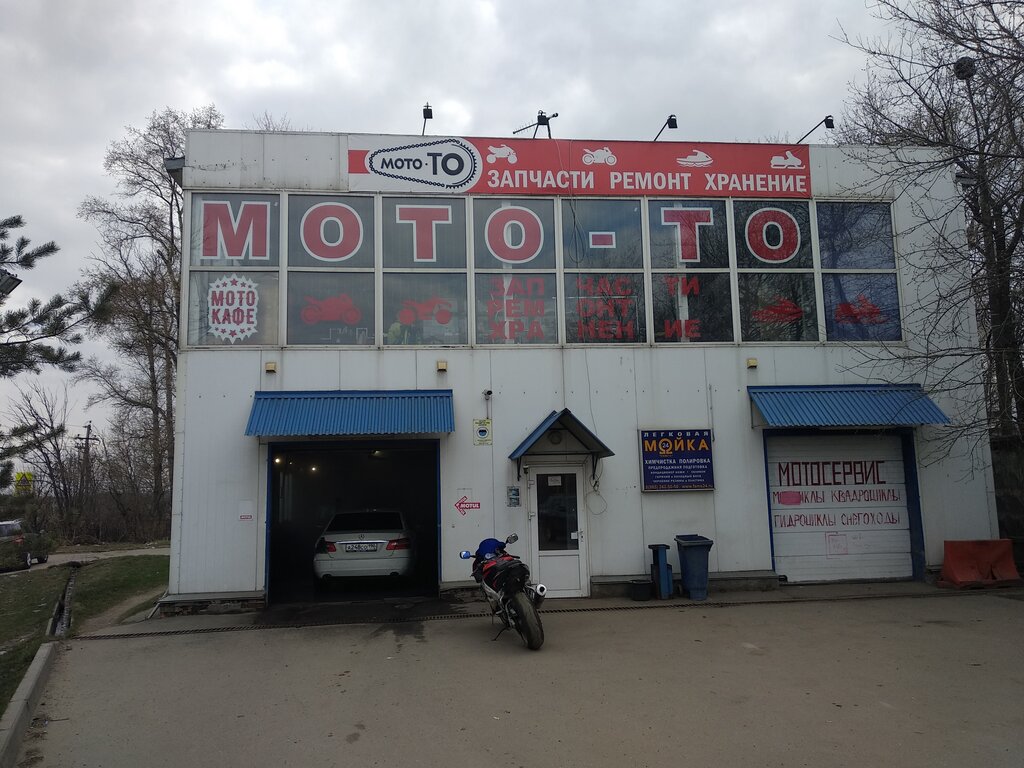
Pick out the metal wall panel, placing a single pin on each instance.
(614, 391)
(266, 161)
(218, 486)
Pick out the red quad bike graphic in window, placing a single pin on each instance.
(338, 308)
(860, 311)
(782, 311)
(433, 308)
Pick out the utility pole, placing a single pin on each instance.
(84, 479)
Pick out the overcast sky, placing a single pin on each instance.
(76, 73)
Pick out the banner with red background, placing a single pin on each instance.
(473, 166)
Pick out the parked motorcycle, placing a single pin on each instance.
(505, 581)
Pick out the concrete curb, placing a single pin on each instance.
(19, 712)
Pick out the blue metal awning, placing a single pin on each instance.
(563, 420)
(853, 405)
(320, 414)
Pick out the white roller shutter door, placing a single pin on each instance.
(839, 508)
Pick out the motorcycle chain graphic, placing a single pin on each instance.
(419, 145)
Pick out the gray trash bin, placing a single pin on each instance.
(693, 564)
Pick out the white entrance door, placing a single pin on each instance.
(558, 526)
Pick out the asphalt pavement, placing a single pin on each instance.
(825, 678)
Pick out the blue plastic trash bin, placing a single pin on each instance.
(661, 571)
(693, 564)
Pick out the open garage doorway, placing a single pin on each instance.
(312, 483)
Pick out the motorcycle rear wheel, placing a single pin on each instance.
(528, 621)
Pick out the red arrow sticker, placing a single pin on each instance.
(464, 504)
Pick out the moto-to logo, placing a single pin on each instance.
(444, 163)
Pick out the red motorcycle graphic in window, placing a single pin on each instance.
(860, 311)
(781, 311)
(334, 309)
(433, 308)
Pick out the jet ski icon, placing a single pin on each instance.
(696, 159)
(789, 160)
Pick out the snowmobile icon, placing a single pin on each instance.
(504, 151)
(788, 161)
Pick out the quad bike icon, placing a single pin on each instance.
(504, 151)
(433, 308)
(603, 155)
(332, 309)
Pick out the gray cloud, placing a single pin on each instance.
(78, 73)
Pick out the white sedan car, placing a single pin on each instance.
(364, 542)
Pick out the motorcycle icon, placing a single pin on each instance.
(333, 308)
(603, 155)
(433, 308)
(504, 151)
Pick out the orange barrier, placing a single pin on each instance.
(978, 564)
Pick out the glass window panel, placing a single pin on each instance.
(861, 307)
(424, 232)
(604, 308)
(855, 236)
(692, 307)
(772, 233)
(691, 234)
(519, 234)
(425, 308)
(232, 308)
(777, 306)
(235, 231)
(330, 231)
(330, 308)
(602, 234)
(516, 308)
(557, 513)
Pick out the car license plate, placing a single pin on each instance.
(361, 547)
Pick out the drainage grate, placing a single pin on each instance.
(644, 606)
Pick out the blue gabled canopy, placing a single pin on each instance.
(847, 405)
(340, 412)
(565, 420)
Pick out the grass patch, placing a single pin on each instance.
(27, 601)
(102, 584)
(139, 607)
(117, 546)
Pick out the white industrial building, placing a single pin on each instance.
(597, 345)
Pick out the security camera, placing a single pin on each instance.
(487, 394)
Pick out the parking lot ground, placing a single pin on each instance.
(900, 681)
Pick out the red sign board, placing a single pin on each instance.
(572, 167)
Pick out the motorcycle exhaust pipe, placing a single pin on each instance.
(539, 590)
